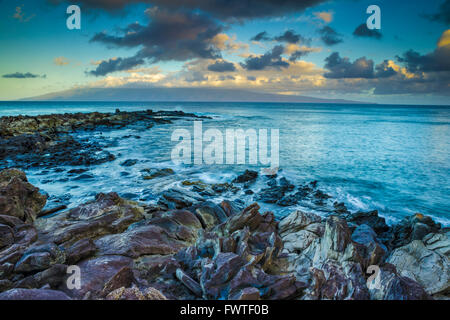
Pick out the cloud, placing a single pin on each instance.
(116, 64)
(363, 31)
(435, 61)
(178, 36)
(221, 9)
(329, 36)
(224, 42)
(21, 16)
(271, 59)
(289, 36)
(61, 61)
(20, 75)
(262, 36)
(222, 66)
(340, 68)
(443, 15)
(326, 17)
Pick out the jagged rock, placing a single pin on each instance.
(392, 286)
(426, 265)
(415, 227)
(19, 198)
(370, 249)
(190, 283)
(33, 294)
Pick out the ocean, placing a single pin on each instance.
(395, 159)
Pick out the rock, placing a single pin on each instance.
(33, 294)
(340, 208)
(53, 277)
(425, 265)
(191, 284)
(40, 257)
(210, 214)
(107, 214)
(95, 274)
(151, 174)
(80, 250)
(124, 278)
(177, 198)
(271, 195)
(129, 163)
(250, 293)
(135, 294)
(19, 198)
(247, 176)
(415, 227)
(395, 287)
(296, 221)
(6, 236)
(370, 249)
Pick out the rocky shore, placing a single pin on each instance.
(189, 247)
(47, 141)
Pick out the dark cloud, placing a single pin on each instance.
(298, 54)
(271, 59)
(329, 36)
(342, 68)
(20, 75)
(178, 36)
(262, 36)
(289, 37)
(436, 61)
(118, 64)
(443, 15)
(222, 66)
(222, 9)
(363, 31)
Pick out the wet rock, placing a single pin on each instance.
(129, 163)
(150, 174)
(33, 294)
(107, 214)
(19, 198)
(372, 219)
(177, 198)
(415, 227)
(247, 176)
(340, 208)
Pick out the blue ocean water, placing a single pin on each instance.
(395, 159)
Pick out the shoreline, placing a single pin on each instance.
(188, 245)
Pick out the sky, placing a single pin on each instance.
(314, 48)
